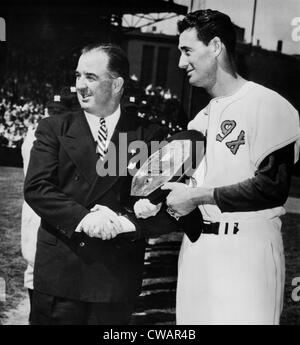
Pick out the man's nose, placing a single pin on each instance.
(80, 83)
(182, 62)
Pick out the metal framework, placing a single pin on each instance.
(152, 18)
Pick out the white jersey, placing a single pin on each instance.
(241, 130)
(237, 277)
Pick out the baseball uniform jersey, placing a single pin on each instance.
(237, 276)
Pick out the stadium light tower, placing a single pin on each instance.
(191, 5)
(253, 21)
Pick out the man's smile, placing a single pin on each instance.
(85, 96)
(189, 71)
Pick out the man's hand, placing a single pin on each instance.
(179, 199)
(143, 208)
(102, 223)
(182, 199)
(109, 214)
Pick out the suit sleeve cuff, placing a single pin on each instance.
(127, 225)
(78, 228)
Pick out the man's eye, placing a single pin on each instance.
(90, 78)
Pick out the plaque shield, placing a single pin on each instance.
(174, 162)
(162, 166)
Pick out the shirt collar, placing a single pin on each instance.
(110, 120)
(114, 117)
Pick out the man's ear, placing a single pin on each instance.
(216, 46)
(118, 84)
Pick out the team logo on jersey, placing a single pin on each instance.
(227, 127)
(235, 144)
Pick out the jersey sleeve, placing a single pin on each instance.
(268, 188)
(274, 125)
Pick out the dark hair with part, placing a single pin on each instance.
(209, 24)
(118, 64)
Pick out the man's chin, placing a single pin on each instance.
(89, 109)
(85, 106)
(193, 82)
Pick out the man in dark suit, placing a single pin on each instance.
(79, 278)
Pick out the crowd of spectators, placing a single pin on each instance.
(23, 102)
(156, 105)
(32, 81)
(16, 116)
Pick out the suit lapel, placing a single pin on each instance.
(79, 144)
(103, 183)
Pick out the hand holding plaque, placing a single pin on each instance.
(174, 162)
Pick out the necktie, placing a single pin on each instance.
(102, 138)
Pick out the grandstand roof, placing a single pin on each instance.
(104, 7)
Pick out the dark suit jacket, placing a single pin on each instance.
(61, 186)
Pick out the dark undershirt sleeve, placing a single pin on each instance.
(267, 189)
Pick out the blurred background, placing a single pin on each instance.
(40, 43)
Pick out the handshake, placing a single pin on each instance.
(105, 224)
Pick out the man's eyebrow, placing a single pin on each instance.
(88, 74)
(184, 48)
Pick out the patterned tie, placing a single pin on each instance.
(102, 138)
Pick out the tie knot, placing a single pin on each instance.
(103, 127)
(102, 138)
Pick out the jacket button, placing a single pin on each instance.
(82, 244)
(76, 178)
(63, 231)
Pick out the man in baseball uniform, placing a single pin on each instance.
(234, 273)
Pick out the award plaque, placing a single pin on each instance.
(174, 162)
(161, 167)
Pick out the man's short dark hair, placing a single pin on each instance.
(209, 24)
(118, 64)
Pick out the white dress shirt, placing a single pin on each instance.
(111, 122)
